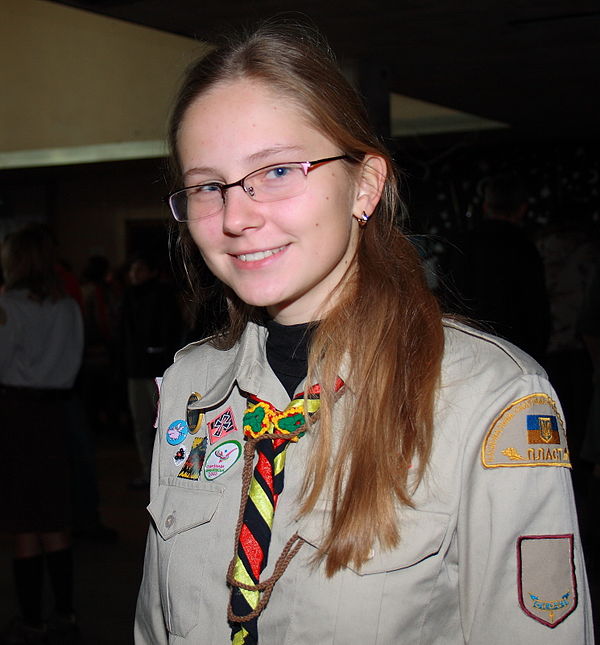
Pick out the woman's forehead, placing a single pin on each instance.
(247, 119)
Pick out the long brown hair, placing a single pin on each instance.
(385, 325)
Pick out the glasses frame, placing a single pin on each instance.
(307, 166)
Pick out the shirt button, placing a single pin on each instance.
(170, 520)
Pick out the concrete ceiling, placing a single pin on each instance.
(533, 65)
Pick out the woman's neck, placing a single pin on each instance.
(287, 352)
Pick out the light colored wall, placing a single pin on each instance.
(82, 87)
(74, 78)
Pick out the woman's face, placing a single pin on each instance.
(287, 255)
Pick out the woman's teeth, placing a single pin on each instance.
(259, 255)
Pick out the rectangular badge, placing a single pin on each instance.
(221, 426)
(542, 428)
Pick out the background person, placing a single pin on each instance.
(41, 342)
(150, 331)
(498, 272)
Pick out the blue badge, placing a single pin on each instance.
(177, 432)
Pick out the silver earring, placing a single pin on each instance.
(363, 218)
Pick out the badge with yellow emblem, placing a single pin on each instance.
(529, 432)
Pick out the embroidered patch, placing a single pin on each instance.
(546, 577)
(221, 426)
(177, 432)
(193, 464)
(529, 432)
(180, 455)
(194, 417)
(221, 459)
(262, 417)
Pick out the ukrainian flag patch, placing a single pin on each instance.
(528, 432)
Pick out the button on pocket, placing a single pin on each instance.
(178, 508)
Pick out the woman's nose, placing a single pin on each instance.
(240, 211)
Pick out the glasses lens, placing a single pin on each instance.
(276, 182)
(196, 202)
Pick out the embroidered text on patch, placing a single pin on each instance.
(529, 432)
(221, 459)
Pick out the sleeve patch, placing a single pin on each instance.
(529, 432)
(547, 585)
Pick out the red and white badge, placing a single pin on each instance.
(221, 426)
(546, 577)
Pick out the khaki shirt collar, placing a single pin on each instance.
(251, 372)
(248, 369)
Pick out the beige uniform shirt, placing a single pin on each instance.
(490, 554)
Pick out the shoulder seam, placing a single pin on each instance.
(487, 338)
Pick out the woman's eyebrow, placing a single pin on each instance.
(200, 170)
(263, 155)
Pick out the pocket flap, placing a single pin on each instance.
(421, 536)
(178, 508)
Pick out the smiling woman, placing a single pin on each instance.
(336, 370)
(284, 248)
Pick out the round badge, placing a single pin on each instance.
(177, 432)
(194, 416)
(221, 459)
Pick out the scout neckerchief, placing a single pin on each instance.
(268, 432)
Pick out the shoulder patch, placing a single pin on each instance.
(547, 585)
(529, 432)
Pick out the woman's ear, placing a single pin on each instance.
(370, 183)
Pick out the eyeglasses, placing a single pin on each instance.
(269, 184)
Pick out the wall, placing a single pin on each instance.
(76, 78)
(81, 88)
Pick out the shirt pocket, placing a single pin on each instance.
(422, 534)
(182, 514)
(390, 592)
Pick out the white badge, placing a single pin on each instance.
(221, 459)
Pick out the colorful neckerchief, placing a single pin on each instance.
(268, 432)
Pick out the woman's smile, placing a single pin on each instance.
(252, 257)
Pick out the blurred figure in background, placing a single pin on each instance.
(589, 326)
(41, 342)
(150, 334)
(498, 272)
(570, 252)
(100, 315)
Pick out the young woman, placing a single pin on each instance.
(416, 488)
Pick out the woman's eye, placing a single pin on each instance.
(209, 188)
(278, 172)
(206, 189)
